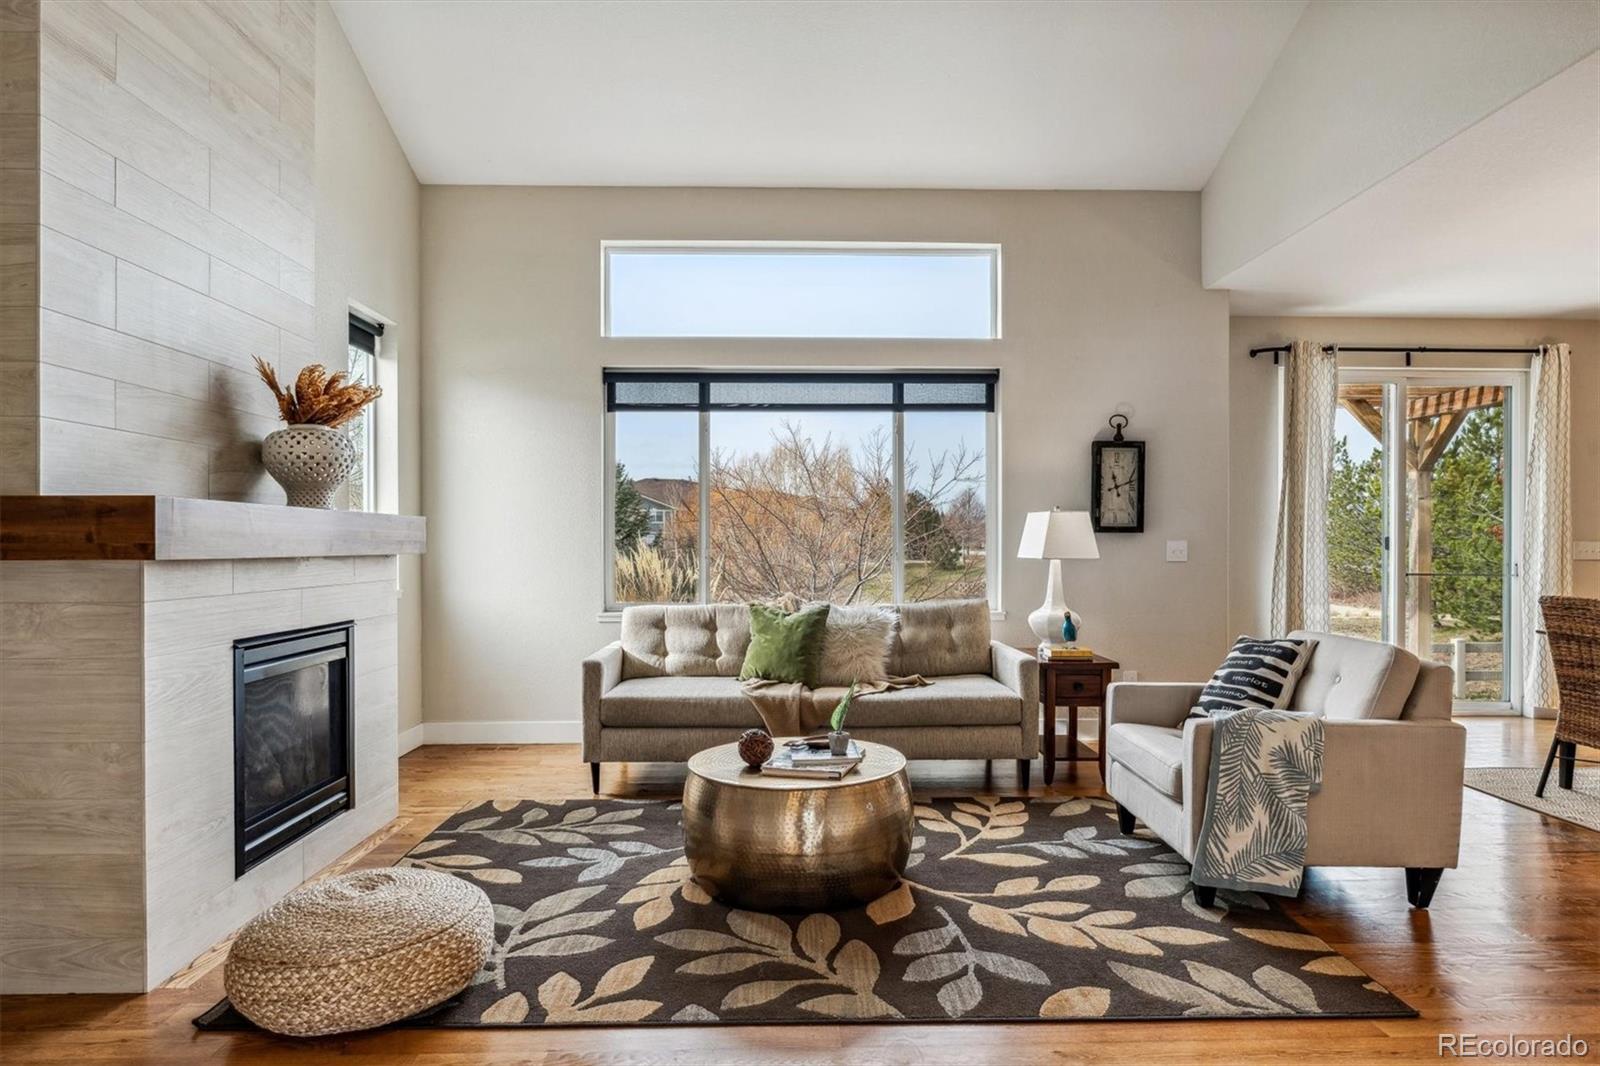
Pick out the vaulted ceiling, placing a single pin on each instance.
(1479, 194)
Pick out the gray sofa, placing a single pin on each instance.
(1392, 768)
(669, 687)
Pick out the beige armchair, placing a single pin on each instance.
(1392, 765)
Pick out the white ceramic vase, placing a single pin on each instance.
(310, 462)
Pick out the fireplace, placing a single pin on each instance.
(293, 737)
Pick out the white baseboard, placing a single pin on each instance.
(570, 732)
(411, 739)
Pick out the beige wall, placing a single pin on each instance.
(1103, 308)
(368, 230)
(1253, 426)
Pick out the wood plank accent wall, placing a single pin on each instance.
(72, 905)
(19, 246)
(176, 237)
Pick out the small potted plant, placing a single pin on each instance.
(838, 739)
(311, 457)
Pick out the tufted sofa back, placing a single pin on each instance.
(1349, 677)
(936, 639)
(685, 640)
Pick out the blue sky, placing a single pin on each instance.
(810, 294)
(1360, 442)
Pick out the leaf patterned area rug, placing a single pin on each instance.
(1010, 910)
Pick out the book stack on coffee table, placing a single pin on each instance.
(800, 760)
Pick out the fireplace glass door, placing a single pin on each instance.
(292, 736)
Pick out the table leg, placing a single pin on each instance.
(1072, 733)
(1049, 739)
(1100, 752)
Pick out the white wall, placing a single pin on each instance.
(368, 253)
(1362, 89)
(1253, 423)
(1103, 307)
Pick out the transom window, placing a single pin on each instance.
(723, 289)
(846, 487)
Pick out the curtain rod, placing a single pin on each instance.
(1279, 350)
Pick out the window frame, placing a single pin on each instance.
(611, 611)
(609, 247)
(369, 326)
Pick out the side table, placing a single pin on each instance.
(1073, 683)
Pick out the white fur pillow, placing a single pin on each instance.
(856, 644)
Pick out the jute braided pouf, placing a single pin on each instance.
(359, 950)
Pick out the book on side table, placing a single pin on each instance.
(1057, 653)
(791, 761)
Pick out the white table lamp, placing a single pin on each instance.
(1056, 535)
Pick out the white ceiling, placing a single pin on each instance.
(1502, 220)
(989, 94)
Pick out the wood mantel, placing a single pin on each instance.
(175, 527)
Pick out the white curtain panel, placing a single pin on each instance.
(1547, 518)
(1300, 563)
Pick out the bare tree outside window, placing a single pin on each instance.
(801, 506)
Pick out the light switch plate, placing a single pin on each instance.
(1587, 550)
(1177, 551)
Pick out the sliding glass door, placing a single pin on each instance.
(1421, 528)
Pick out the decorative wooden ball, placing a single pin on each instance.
(755, 747)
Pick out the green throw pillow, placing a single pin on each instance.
(783, 646)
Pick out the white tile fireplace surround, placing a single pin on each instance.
(117, 722)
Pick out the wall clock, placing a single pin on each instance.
(1117, 482)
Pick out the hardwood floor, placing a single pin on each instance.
(1511, 945)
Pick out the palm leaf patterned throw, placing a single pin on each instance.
(1264, 767)
(1257, 673)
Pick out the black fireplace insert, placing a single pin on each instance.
(293, 736)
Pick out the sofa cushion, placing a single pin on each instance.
(1259, 674)
(962, 699)
(685, 640)
(678, 702)
(1153, 753)
(856, 645)
(1353, 678)
(785, 645)
(941, 638)
(718, 702)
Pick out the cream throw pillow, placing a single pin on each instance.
(856, 644)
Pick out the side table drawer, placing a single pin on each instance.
(1079, 687)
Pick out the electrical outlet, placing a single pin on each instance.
(1177, 551)
(1127, 675)
(1586, 550)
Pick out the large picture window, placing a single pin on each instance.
(846, 487)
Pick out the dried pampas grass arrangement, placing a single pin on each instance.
(318, 398)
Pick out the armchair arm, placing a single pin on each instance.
(1150, 703)
(1019, 671)
(1390, 796)
(601, 672)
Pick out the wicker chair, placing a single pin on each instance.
(1572, 626)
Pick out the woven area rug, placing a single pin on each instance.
(1579, 805)
(1010, 910)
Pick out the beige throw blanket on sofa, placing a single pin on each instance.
(789, 708)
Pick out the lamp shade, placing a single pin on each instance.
(1058, 534)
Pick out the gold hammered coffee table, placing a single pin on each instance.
(767, 843)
